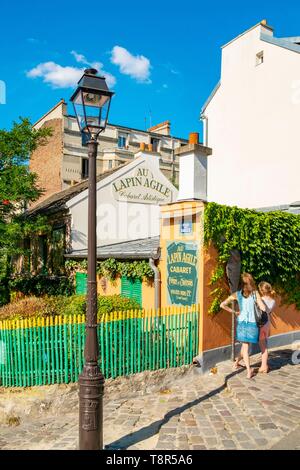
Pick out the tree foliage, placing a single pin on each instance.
(18, 188)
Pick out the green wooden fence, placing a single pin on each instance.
(50, 350)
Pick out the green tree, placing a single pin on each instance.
(18, 188)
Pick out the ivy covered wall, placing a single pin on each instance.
(269, 243)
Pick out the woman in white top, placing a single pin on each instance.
(267, 296)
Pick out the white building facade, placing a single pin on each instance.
(128, 203)
(252, 122)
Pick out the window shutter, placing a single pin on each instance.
(131, 289)
(81, 283)
(125, 287)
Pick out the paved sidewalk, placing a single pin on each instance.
(289, 442)
(218, 411)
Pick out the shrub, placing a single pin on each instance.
(24, 308)
(42, 285)
(76, 304)
(108, 304)
(62, 305)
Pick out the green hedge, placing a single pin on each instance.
(62, 305)
(76, 304)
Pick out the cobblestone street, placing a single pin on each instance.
(224, 410)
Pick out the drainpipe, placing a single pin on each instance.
(204, 119)
(157, 291)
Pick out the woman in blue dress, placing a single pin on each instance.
(247, 330)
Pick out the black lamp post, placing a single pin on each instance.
(233, 272)
(91, 103)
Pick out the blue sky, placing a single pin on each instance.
(163, 57)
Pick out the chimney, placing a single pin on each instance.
(193, 169)
(164, 128)
(266, 29)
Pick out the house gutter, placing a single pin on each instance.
(110, 255)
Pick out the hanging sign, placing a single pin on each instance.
(182, 272)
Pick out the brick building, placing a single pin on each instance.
(63, 162)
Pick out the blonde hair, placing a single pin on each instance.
(265, 288)
(247, 278)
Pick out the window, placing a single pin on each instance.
(43, 253)
(26, 257)
(260, 58)
(155, 144)
(122, 140)
(84, 168)
(58, 250)
(131, 289)
(109, 164)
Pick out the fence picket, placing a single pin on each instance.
(110, 326)
(26, 349)
(101, 341)
(65, 338)
(115, 342)
(4, 370)
(121, 361)
(4, 338)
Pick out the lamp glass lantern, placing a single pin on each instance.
(91, 102)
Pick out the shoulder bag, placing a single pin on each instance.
(261, 317)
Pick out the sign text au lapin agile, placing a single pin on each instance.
(142, 187)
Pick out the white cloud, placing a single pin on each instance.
(165, 85)
(137, 67)
(36, 41)
(33, 40)
(56, 75)
(79, 57)
(59, 76)
(170, 67)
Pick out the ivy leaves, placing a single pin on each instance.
(111, 268)
(269, 243)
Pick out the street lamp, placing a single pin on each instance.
(91, 102)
